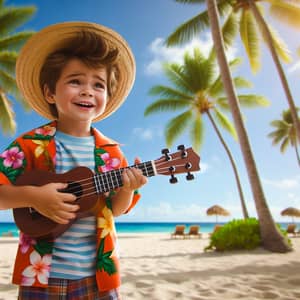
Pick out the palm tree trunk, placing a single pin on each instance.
(233, 164)
(266, 32)
(297, 154)
(271, 237)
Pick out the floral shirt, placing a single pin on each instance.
(36, 150)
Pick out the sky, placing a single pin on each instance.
(145, 25)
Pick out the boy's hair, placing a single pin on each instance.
(90, 49)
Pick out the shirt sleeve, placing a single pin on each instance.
(12, 163)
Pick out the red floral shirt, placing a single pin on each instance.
(36, 150)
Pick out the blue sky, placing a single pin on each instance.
(145, 25)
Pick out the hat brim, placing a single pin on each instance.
(49, 39)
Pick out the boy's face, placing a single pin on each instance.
(80, 94)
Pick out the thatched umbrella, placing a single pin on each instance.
(218, 211)
(292, 212)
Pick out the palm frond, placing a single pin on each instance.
(7, 117)
(241, 82)
(190, 29)
(230, 29)
(284, 145)
(8, 84)
(286, 12)
(166, 105)
(216, 88)
(8, 61)
(198, 71)
(176, 127)
(280, 46)
(251, 100)
(225, 123)
(13, 17)
(190, 1)
(168, 92)
(197, 132)
(250, 38)
(15, 41)
(175, 74)
(7, 81)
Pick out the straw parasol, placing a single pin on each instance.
(217, 210)
(292, 212)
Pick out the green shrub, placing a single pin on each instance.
(236, 235)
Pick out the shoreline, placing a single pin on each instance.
(155, 267)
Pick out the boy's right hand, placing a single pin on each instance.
(54, 204)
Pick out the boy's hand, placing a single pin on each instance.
(53, 204)
(133, 178)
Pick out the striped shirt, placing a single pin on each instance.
(74, 252)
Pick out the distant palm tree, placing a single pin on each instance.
(245, 17)
(198, 91)
(11, 17)
(285, 133)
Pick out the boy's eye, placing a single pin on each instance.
(99, 85)
(74, 81)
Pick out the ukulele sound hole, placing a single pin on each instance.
(73, 188)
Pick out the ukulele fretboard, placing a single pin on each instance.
(108, 181)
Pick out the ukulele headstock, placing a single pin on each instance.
(182, 161)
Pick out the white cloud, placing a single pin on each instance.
(294, 68)
(160, 53)
(285, 183)
(147, 134)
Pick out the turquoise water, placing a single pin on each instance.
(137, 227)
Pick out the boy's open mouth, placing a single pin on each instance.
(84, 104)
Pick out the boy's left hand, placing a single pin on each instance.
(133, 178)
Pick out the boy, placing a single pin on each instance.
(72, 73)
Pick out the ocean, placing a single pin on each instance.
(136, 227)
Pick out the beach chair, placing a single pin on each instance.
(194, 232)
(179, 231)
(291, 229)
(216, 228)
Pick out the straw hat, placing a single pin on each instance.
(48, 40)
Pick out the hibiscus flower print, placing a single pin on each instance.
(25, 242)
(38, 270)
(46, 130)
(110, 163)
(106, 223)
(13, 158)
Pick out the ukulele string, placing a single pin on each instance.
(162, 166)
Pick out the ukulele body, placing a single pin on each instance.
(80, 183)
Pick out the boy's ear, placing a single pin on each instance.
(48, 94)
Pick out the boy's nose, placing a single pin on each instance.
(86, 93)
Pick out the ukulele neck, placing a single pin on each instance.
(108, 181)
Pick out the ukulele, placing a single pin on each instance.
(87, 187)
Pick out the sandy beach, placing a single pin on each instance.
(156, 267)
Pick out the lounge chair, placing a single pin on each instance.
(216, 228)
(291, 229)
(194, 231)
(179, 231)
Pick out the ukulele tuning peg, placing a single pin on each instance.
(173, 179)
(189, 176)
(166, 153)
(183, 151)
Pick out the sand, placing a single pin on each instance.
(157, 267)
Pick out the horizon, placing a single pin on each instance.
(145, 27)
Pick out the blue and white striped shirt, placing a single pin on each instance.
(74, 252)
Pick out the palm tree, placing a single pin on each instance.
(246, 15)
(272, 238)
(198, 91)
(285, 133)
(11, 17)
